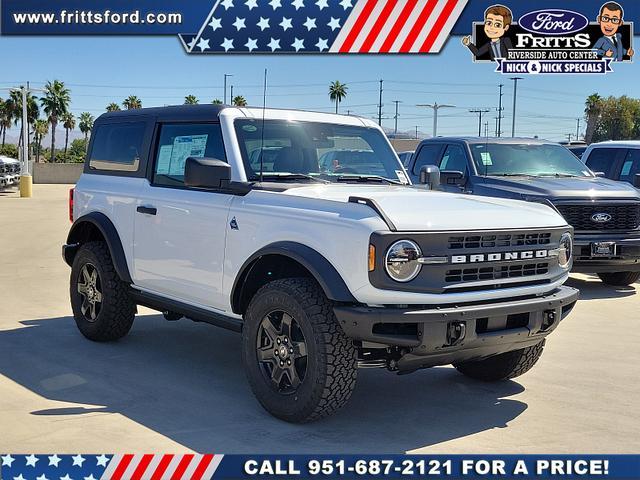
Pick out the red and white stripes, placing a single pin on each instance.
(398, 26)
(162, 467)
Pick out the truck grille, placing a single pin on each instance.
(623, 216)
(496, 273)
(492, 241)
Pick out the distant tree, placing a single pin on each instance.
(33, 110)
(217, 101)
(337, 92)
(69, 123)
(9, 150)
(618, 119)
(191, 100)
(86, 124)
(41, 128)
(239, 101)
(113, 107)
(132, 103)
(6, 118)
(55, 103)
(592, 109)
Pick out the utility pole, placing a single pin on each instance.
(486, 129)
(231, 98)
(480, 111)
(396, 116)
(500, 110)
(435, 107)
(380, 105)
(569, 135)
(497, 128)
(225, 86)
(515, 98)
(417, 131)
(578, 129)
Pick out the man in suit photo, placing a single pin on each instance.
(497, 20)
(610, 45)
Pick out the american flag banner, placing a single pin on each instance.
(109, 467)
(326, 26)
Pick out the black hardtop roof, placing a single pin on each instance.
(171, 113)
(491, 140)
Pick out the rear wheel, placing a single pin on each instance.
(299, 363)
(619, 279)
(502, 366)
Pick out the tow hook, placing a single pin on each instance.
(548, 319)
(456, 331)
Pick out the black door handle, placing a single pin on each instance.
(147, 210)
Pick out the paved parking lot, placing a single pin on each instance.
(179, 386)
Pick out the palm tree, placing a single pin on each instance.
(86, 124)
(15, 106)
(41, 128)
(239, 101)
(592, 110)
(337, 92)
(217, 101)
(6, 118)
(55, 103)
(113, 107)
(69, 123)
(190, 100)
(132, 103)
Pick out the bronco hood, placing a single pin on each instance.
(415, 209)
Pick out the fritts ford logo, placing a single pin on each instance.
(552, 41)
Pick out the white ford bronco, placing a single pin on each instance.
(301, 231)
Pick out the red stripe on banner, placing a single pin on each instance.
(359, 25)
(122, 466)
(397, 28)
(377, 27)
(439, 25)
(142, 466)
(162, 467)
(417, 27)
(182, 466)
(202, 467)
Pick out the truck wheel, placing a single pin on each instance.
(619, 279)
(502, 366)
(298, 361)
(100, 301)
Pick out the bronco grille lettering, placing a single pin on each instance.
(500, 257)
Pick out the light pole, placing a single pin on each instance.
(396, 116)
(500, 110)
(225, 86)
(435, 107)
(515, 98)
(578, 130)
(231, 96)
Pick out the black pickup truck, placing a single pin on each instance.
(605, 214)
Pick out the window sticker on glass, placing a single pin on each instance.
(486, 158)
(626, 169)
(164, 159)
(184, 147)
(401, 176)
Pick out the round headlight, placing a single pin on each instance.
(401, 261)
(565, 251)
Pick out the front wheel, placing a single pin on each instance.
(619, 279)
(300, 365)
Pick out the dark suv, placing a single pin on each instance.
(605, 214)
(615, 160)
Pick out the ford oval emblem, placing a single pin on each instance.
(601, 217)
(553, 21)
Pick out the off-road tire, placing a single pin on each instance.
(117, 311)
(619, 279)
(502, 366)
(331, 356)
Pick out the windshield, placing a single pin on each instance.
(321, 152)
(540, 160)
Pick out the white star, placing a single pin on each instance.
(274, 44)
(66, 477)
(102, 460)
(322, 44)
(227, 4)
(32, 460)
(203, 44)
(286, 23)
(239, 24)
(346, 4)
(251, 4)
(7, 460)
(227, 44)
(275, 3)
(215, 23)
(19, 477)
(334, 23)
(90, 477)
(263, 24)
(78, 460)
(310, 23)
(298, 4)
(298, 44)
(54, 460)
(42, 477)
(322, 4)
(251, 44)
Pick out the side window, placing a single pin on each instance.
(427, 155)
(454, 159)
(630, 166)
(603, 160)
(117, 146)
(180, 141)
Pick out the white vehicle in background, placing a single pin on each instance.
(9, 171)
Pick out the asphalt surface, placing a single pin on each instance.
(179, 386)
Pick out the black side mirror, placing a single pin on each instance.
(636, 180)
(599, 174)
(452, 177)
(207, 173)
(430, 176)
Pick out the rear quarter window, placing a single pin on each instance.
(117, 147)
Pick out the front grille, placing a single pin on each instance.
(496, 273)
(623, 216)
(493, 241)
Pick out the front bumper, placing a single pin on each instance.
(627, 258)
(428, 335)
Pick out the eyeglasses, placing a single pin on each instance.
(489, 23)
(614, 20)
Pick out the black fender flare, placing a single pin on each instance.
(110, 235)
(320, 268)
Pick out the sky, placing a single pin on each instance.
(100, 70)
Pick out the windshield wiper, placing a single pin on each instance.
(560, 175)
(290, 176)
(510, 175)
(367, 178)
